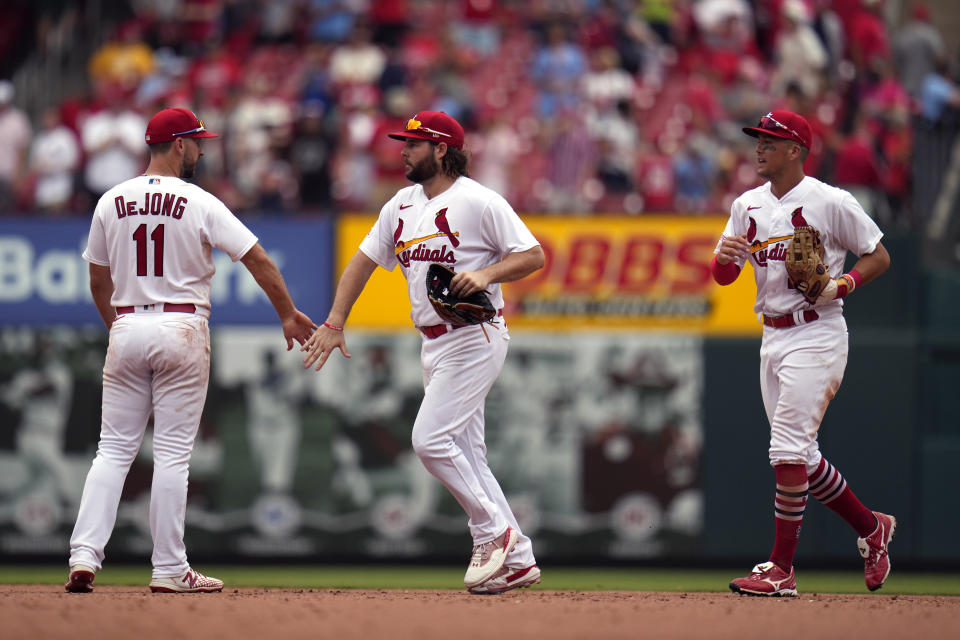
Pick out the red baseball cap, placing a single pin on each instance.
(176, 123)
(783, 124)
(435, 126)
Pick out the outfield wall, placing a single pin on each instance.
(625, 426)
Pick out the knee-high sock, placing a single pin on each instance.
(789, 506)
(829, 487)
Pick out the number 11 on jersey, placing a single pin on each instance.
(140, 237)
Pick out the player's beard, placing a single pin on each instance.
(423, 170)
(188, 168)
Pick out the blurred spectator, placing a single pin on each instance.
(896, 145)
(215, 72)
(168, 75)
(200, 22)
(869, 43)
(123, 61)
(311, 151)
(938, 92)
(571, 157)
(113, 144)
(557, 68)
(391, 18)
(260, 122)
(829, 28)
(354, 168)
(389, 175)
(800, 56)
(278, 189)
(655, 176)
(475, 28)
(916, 48)
(606, 83)
(617, 137)
(278, 20)
(695, 175)
(357, 61)
(495, 149)
(726, 44)
(858, 169)
(54, 157)
(15, 133)
(330, 20)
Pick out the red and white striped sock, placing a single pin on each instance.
(829, 487)
(789, 505)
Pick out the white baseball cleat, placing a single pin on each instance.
(507, 579)
(80, 579)
(191, 582)
(488, 558)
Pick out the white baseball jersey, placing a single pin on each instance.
(467, 227)
(156, 233)
(769, 222)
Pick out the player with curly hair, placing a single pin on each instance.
(447, 219)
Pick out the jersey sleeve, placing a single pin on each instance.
(856, 231)
(96, 250)
(226, 232)
(504, 229)
(378, 245)
(732, 230)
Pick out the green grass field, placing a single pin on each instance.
(556, 579)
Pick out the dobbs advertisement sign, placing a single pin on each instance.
(615, 273)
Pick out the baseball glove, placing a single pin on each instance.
(474, 309)
(804, 261)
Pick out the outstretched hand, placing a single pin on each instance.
(321, 344)
(298, 326)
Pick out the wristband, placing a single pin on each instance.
(844, 286)
(847, 283)
(856, 277)
(332, 326)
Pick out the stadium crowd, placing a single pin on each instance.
(571, 107)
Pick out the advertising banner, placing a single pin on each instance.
(648, 272)
(44, 279)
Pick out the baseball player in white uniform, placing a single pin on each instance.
(149, 251)
(804, 348)
(446, 217)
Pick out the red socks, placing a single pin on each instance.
(829, 487)
(789, 506)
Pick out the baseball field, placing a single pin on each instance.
(423, 602)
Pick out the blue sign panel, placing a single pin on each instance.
(44, 280)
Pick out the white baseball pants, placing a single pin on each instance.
(459, 368)
(157, 362)
(800, 372)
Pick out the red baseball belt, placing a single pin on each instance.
(169, 307)
(782, 322)
(437, 330)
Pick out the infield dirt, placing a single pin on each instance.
(133, 612)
